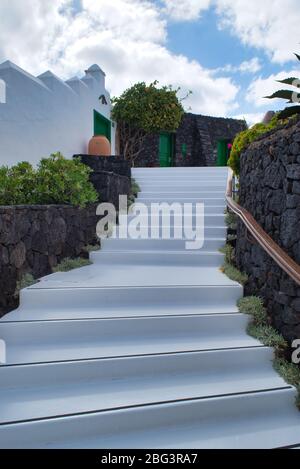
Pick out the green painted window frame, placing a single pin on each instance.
(107, 121)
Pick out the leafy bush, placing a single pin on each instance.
(55, 181)
(243, 139)
(70, 264)
(144, 109)
(17, 184)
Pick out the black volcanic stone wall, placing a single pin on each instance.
(187, 134)
(149, 157)
(112, 164)
(34, 239)
(213, 129)
(111, 177)
(200, 135)
(270, 191)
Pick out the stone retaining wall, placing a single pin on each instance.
(270, 191)
(34, 239)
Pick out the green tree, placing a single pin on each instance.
(142, 110)
(292, 96)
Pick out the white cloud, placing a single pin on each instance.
(248, 66)
(186, 10)
(265, 87)
(271, 25)
(126, 37)
(251, 118)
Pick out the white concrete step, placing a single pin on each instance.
(190, 206)
(165, 258)
(206, 195)
(208, 202)
(158, 277)
(178, 175)
(169, 219)
(58, 389)
(179, 181)
(260, 420)
(210, 244)
(56, 341)
(170, 185)
(76, 303)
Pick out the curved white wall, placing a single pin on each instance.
(45, 114)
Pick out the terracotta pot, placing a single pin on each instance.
(99, 146)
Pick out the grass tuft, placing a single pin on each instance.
(135, 188)
(70, 264)
(92, 248)
(231, 220)
(254, 306)
(234, 274)
(289, 371)
(268, 336)
(26, 281)
(229, 253)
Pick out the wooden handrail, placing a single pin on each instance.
(264, 240)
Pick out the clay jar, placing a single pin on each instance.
(99, 146)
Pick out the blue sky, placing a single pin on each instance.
(202, 39)
(228, 52)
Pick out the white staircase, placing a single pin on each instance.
(145, 348)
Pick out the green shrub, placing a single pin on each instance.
(62, 181)
(70, 264)
(56, 180)
(17, 184)
(244, 139)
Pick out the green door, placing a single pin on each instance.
(165, 150)
(102, 126)
(223, 152)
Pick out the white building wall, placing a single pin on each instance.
(44, 115)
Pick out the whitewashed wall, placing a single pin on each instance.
(44, 115)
